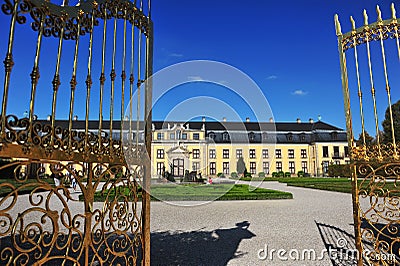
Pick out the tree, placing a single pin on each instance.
(368, 139)
(386, 124)
(240, 166)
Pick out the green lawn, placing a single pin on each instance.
(172, 192)
(330, 184)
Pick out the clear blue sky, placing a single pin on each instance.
(289, 48)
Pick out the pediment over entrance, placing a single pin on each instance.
(178, 150)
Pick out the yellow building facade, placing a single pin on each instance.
(213, 148)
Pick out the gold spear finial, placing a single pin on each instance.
(365, 18)
(353, 23)
(393, 11)
(378, 11)
(337, 25)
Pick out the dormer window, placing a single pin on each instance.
(225, 136)
(211, 135)
(334, 135)
(252, 136)
(302, 137)
(289, 137)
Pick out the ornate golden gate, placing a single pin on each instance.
(105, 221)
(367, 87)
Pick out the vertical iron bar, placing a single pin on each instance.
(73, 82)
(8, 65)
(350, 140)
(380, 23)
(139, 83)
(56, 80)
(35, 74)
(367, 36)
(102, 77)
(113, 75)
(148, 140)
(131, 78)
(123, 76)
(89, 76)
(359, 84)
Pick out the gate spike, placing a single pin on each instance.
(365, 18)
(378, 11)
(337, 25)
(393, 11)
(353, 23)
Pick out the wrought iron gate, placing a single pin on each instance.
(369, 96)
(105, 221)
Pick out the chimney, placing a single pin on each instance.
(298, 120)
(203, 119)
(311, 121)
(224, 119)
(271, 119)
(247, 119)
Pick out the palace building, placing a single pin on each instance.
(213, 147)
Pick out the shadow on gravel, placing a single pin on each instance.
(216, 247)
(339, 244)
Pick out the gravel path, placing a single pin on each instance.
(239, 232)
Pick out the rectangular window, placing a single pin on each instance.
(278, 153)
(292, 169)
(278, 166)
(266, 168)
(160, 153)
(196, 166)
(196, 136)
(225, 153)
(212, 154)
(303, 153)
(252, 153)
(213, 168)
(253, 168)
(336, 151)
(239, 153)
(172, 136)
(225, 168)
(184, 135)
(265, 154)
(160, 136)
(290, 153)
(196, 153)
(160, 168)
(346, 151)
(304, 167)
(325, 152)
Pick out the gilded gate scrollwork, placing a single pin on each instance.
(368, 54)
(73, 191)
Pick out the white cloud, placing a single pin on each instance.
(175, 55)
(272, 77)
(195, 78)
(299, 93)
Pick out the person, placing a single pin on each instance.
(210, 180)
(56, 178)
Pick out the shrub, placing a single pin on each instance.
(274, 174)
(281, 174)
(300, 174)
(261, 174)
(234, 175)
(288, 174)
(220, 175)
(342, 170)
